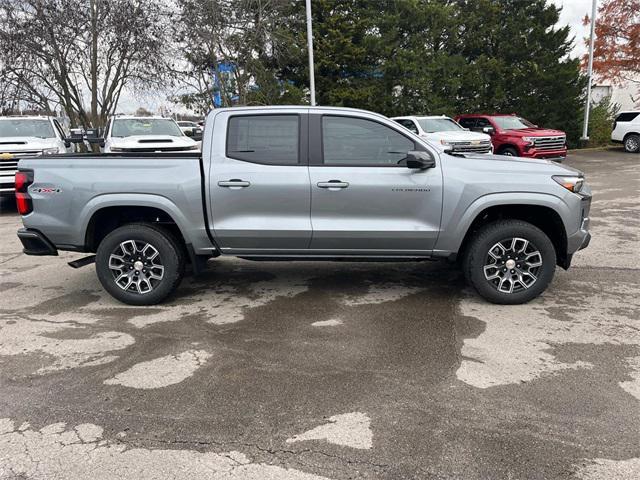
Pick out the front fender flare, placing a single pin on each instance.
(455, 230)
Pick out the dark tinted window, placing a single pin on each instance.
(408, 124)
(270, 139)
(627, 116)
(354, 141)
(467, 122)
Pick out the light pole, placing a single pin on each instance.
(585, 127)
(312, 80)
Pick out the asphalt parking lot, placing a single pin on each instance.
(266, 370)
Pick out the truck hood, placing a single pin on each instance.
(151, 142)
(456, 135)
(534, 132)
(547, 166)
(26, 144)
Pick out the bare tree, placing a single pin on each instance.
(63, 52)
(229, 48)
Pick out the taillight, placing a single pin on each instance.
(24, 178)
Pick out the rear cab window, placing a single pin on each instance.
(265, 139)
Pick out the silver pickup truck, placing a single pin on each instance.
(291, 183)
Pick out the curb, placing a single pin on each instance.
(608, 147)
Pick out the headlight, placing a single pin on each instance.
(529, 140)
(116, 149)
(445, 142)
(573, 184)
(51, 151)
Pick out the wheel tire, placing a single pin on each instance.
(509, 151)
(477, 255)
(171, 257)
(632, 143)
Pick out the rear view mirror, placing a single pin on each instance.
(420, 160)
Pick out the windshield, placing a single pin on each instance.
(431, 125)
(512, 123)
(127, 127)
(21, 127)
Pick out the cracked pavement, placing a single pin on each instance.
(269, 370)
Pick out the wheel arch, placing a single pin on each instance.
(103, 215)
(507, 145)
(547, 212)
(544, 217)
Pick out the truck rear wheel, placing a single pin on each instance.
(510, 262)
(632, 143)
(140, 264)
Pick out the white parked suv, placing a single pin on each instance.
(447, 134)
(626, 130)
(144, 134)
(24, 137)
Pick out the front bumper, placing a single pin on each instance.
(580, 238)
(35, 243)
(553, 155)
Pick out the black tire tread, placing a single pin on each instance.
(474, 254)
(173, 281)
(625, 142)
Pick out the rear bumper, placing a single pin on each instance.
(35, 243)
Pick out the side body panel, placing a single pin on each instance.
(68, 190)
(379, 210)
(254, 207)
(474, 184)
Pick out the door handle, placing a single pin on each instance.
(234, 182)
(333, 184)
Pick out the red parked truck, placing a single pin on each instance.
(515, 136)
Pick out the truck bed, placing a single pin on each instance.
(90, 182)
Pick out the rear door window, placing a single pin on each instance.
(267, 139)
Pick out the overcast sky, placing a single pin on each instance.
(572, 13)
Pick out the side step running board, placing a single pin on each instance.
(81, 262)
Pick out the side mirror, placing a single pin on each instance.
(420, 160)
(488, 130)
(75, 136)
(189, 133)
(94, 136)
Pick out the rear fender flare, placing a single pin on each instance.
(134, 200)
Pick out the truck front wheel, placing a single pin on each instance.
(508, 151)
(509, 262)
(140, 264)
